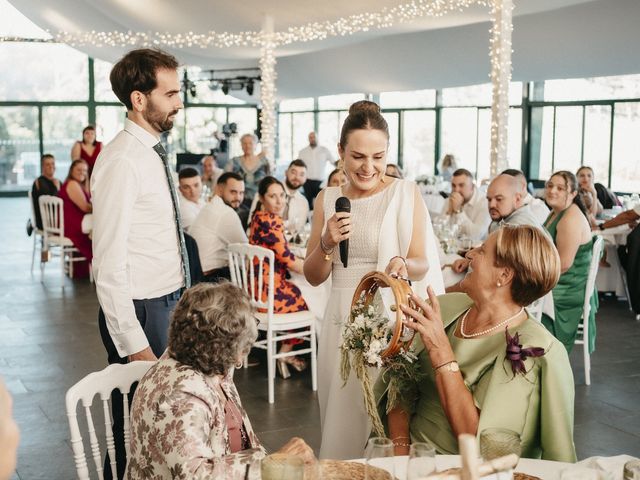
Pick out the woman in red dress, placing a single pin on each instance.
(76, 203)
(267, 230)
(87, 149)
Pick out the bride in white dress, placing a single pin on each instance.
(389, 229)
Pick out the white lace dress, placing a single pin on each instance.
(344, 421)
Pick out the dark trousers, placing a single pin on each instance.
(311, 190)
(153, 315)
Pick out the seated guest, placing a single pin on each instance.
(187, 419)
(296, 210)
(45, 184)
(218, 225)
(76, 203)
(336, 178)
(586, 189)
(605, 198)
(504, 197)
(210, 172)
(9, 435)
(467, 206)
(251, 166)
(538, 207)
(88, 148)
(190, 186)
(267, 230)
(569, 228)
(394, 171)
(473, 374)
(629, 217)
(447, 166)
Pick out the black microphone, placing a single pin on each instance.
(344, 205)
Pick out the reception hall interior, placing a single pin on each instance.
(220, 222)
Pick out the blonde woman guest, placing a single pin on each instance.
(250, 166)
(389, 229)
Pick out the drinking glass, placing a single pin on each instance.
(422, 461)
(465, 243)
(498, 442)
(632, 470)
(280, 466)
(379, 454)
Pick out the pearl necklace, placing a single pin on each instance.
(488, 330)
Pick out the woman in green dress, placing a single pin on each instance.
(569, 227)
(483, 362)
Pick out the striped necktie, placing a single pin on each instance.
(162, 153)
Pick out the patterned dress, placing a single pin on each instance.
(179, 430)
(251, 177)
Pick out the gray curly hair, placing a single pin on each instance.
(212, 325)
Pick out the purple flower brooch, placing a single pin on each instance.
(517, 355)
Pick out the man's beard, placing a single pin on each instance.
(157, 119)
(290, 186)
(228, 204)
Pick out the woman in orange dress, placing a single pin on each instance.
(267, 230)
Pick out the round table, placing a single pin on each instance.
(544, 469)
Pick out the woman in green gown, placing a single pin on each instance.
(569, 227)
(483, 362)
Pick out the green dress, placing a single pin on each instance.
(538, 405)
(568, 295)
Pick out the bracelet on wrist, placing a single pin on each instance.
(327, 252)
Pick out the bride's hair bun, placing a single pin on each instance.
(364, 106)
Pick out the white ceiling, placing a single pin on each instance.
(552, 39)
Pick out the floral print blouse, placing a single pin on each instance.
(251, 177)
(267, 230)
(178, 428)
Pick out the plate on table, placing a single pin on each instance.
(516, 475)
(341, 470)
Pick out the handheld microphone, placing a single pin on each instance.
(344, 205)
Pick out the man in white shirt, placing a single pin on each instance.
(316, 157)
(218, 225)
(538, 207)
(467, 206)
(137, 250)
(210, 172)
(190, 186)
(296, 212)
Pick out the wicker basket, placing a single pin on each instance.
(369, 285)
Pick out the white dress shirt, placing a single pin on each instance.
(136, 252)
(474, 218)
(538, 208)
(216, 226)
(316, 159)
(189, 211)
(297, 209)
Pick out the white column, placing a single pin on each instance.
(500, 78)
(268, 89)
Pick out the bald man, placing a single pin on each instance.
(538, 208)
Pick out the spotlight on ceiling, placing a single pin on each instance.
(250, 87)
(192, 90)
(225, 87)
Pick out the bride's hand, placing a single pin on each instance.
(397, 267)
(338, 229)
(427, 322)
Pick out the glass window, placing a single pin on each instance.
(19, 146)
(62, 127)
(479, 95)
(568, 142)
(103, 91)
(202, 124)
(599, 88)
(339, 102)
(542, 141)
(418, 143)
(514, 146)
(329, 131)
(245, 118)
(393, 120)
(626, 145)
(597, 139)
(411, 99)
(284, 139)
(459, 135)
(63, 76)
(109, 121)
(296, 104)
(302, 125)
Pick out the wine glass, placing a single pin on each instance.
(379, 455)
(498, 442)
(422, 460)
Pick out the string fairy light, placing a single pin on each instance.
(268, 90)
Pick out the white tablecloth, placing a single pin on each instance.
(609, 278)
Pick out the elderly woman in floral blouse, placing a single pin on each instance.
(187, 420)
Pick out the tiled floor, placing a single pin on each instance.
(49, 340)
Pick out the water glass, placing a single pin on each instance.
(422, 461)
(379, 454)
(498, 442)
(280, 466)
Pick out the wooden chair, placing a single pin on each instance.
(246, 263)
(102, 383)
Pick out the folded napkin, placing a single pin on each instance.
(598, 468)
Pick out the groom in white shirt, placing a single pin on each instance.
(138, 262)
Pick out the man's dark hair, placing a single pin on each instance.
(222, 180)
(462, 171)
(136, 71)
(45, 156)
(188, 172)
(513, 172)
(297, 163)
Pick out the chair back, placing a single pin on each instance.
(51, 211)
(102, 383)
(598, 245)
(33, 211)
(247, 266)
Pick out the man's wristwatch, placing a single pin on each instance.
(601, 226)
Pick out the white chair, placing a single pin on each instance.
(246, 263)
(37, 233)
(51, 211)
(583, 328)
(101, 383)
